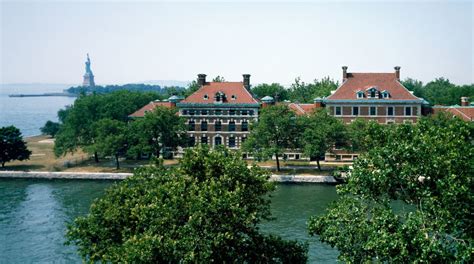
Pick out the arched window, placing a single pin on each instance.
(191, 125)
(203, 125)
(232, 126)
(218, 126)
(372, 93)
(245, 126)
(217, 141)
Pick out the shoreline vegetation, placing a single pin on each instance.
(42, 160)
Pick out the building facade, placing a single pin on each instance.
(375, 96)
(220, 113)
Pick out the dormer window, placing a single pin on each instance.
(233, 97)
(385, 94)
(219, 97)
(360, 94)
(206, 97)
(372, 92)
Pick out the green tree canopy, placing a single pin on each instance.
(218, 78)
(321, 132)
(276, 131)
(428, 167)
(12, 146)
(275, 90)
(363, 135)
(50, 128)
(207, 210)
(111, 139)
(306, 92)
(161, 129)
(78, 120)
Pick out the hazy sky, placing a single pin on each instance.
(45, 41)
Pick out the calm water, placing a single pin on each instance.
(29, 114)
(33, 215)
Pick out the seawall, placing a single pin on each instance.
(121, 176)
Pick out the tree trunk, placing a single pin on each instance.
(3, 164)
(96, 157)
(117, 161)
(319, 165)
(157, 153)
(278, 162)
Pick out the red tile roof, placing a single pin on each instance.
(242, 95)
(464, 112)
(150, 107)
(302, 109)
(363, 81)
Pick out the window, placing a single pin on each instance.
(408, 111)
(218, 126)
(373, 110)
(232, 142)
(385, 94)
(372, 93)
(244, 112)
(204, 126)
(245, 126)
(337, 110)
(251, 112)
(218, 112)
(217, 141)
(233, 97)
(191, 126)
(191, 112)
(390, 111)
(203, 112)
(232, 126)
(191, 141)
(206, 97)
(355, 110)
(203, 140)
(360, 94)
(185, 112)
(231, 112)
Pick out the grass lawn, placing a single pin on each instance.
(43, 159)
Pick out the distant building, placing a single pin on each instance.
(465, 111)
(88, 76)
(376, 96)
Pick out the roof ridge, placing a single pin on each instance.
(462, 113)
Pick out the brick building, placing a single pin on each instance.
(219, 113)
(465, 111)
(376, 96)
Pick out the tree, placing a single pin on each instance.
(50, 128)
(207, 210)
(12, 146)
(426, 167)
(306, 92)
(159, 130)
(364, 134)
(78, 120)
(218, 78)
(111, 139)
(275, 132)
(192, 87)
(274, 90)
(321, 132)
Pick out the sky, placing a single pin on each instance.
(129, 42)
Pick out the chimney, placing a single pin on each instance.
(397, 72)
(464, 101)
(318, 102)
(246, 81)
(344, 73)
(201, 79)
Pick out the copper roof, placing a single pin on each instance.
(150, 107)
(362, 81)
(235, 93)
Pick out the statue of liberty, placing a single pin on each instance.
(88, 76)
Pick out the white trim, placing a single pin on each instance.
(376, 110)
(405, 111)
(335, 110)
(393, 110)
(358, 111)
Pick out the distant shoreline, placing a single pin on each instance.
(43, 94)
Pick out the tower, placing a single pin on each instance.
(88, 76)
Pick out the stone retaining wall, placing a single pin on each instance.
(121, 176)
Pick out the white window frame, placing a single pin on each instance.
(358, 110)
(411, 111)
(393, 110)
(370, 107)
(335, 110)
